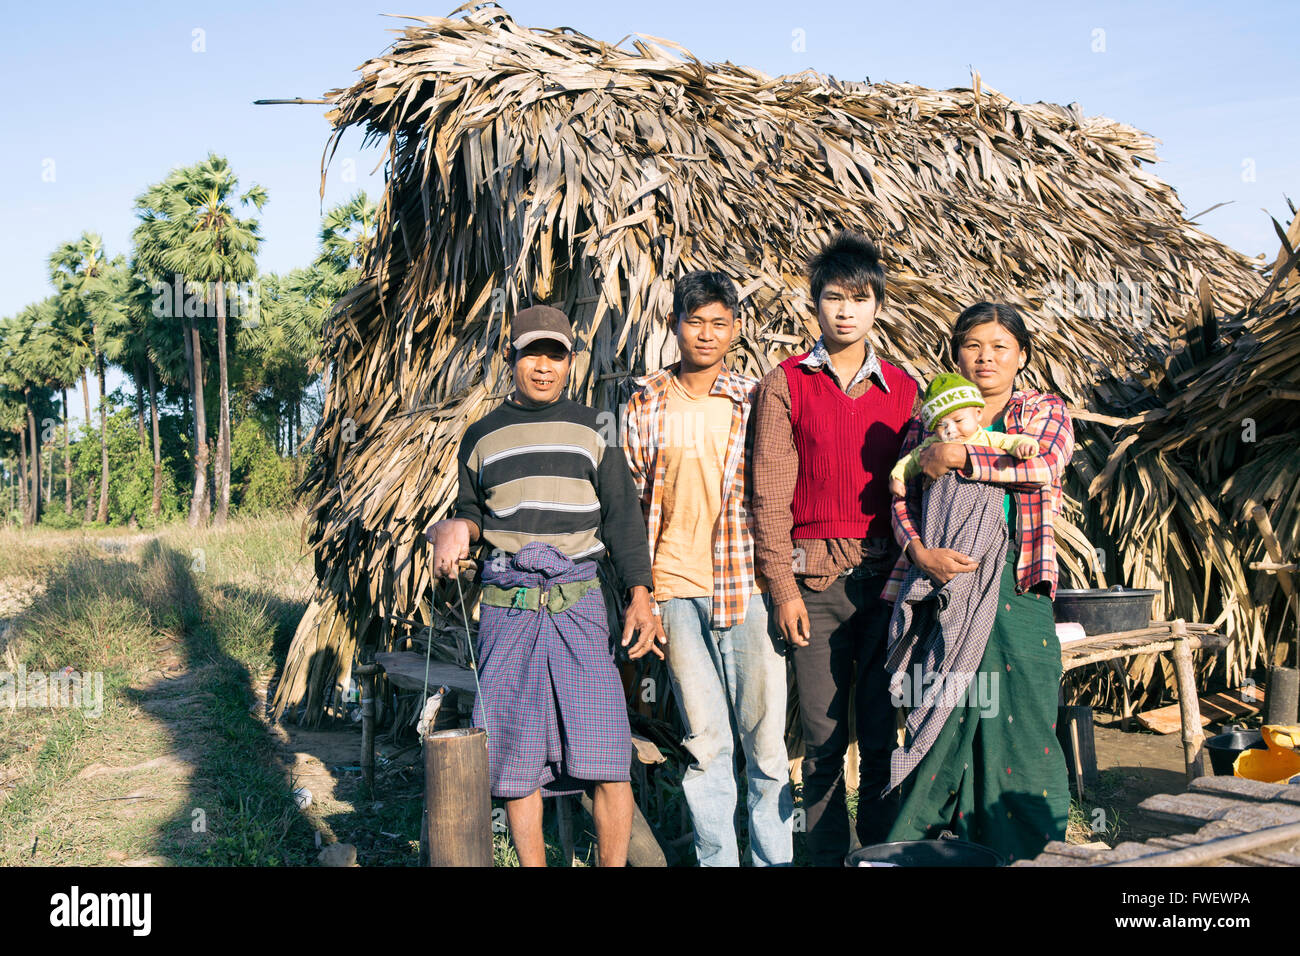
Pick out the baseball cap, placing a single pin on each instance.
(540, 322)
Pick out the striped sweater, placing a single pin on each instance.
(546, 474)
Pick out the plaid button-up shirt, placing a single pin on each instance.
(734, 579)
(820, 356)
(1035, 484)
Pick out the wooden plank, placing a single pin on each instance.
(1259, 815)
(1239, 788)
(1215, 709)
(1281, 854)
(1187, 807)
(1219, 851)
(405, 669)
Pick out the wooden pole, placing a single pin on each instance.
(1188, 705)
(457, 799)
(564, 820)
(1277, 657)
(367, 674)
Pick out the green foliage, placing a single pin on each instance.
(56, 518)
(260, 480)
(130, 470)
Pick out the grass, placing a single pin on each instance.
(1097, 818)
(186, 626)
(178, 768)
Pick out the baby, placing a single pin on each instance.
(950, 413)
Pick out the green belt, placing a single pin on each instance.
(556, 598)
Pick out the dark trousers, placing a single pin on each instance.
(849, 625)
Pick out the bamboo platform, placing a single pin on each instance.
(1180, 639)
(1238, 822)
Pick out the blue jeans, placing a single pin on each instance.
(732, 682)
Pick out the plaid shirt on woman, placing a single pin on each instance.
(1036, 483)
(733, 540)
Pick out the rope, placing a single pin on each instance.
(469, 642)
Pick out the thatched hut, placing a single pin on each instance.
(531, 166)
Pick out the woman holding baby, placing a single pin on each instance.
(994, 775)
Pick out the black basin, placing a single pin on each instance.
(1224, 748)
(1105, 611)
(927, 853)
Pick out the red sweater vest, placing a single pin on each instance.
(846, 448)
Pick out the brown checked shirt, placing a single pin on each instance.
(775, 473)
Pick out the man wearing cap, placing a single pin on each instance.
(539, 485)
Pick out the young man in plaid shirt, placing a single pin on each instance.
(686, 438)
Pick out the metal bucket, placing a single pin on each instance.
(944, 852)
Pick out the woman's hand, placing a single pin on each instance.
(941, 565)
(642, 621)
(942, 457)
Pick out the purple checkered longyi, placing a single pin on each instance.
(550, 696)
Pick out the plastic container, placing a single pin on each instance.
(1105, 611)
(946, 852)
(1224, 748)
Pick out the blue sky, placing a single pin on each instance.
(102, 102)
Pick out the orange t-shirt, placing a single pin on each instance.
(694, 449)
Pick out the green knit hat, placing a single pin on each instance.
(948, 392)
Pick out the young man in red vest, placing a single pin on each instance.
(828, 428)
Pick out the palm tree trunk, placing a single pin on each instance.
(199, 500)
(85, 394)
(34, 503)
(67, 457)
(139, 404)
(102, 517)
(156, 506)
(89, 516)
(22, 478)
(223, 427)
(189, 384)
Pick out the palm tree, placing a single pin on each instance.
(284, 346)
(345, 232)
(85, 279)
(163, 225)
(64, 343)
(197, 235)
(13, 425)
(28, 370)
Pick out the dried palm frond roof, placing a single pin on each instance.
(516, 153)
(1214, 436)
(543, 165)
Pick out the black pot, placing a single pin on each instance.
(1105, 611)
(1224, 748)
(927, 853)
